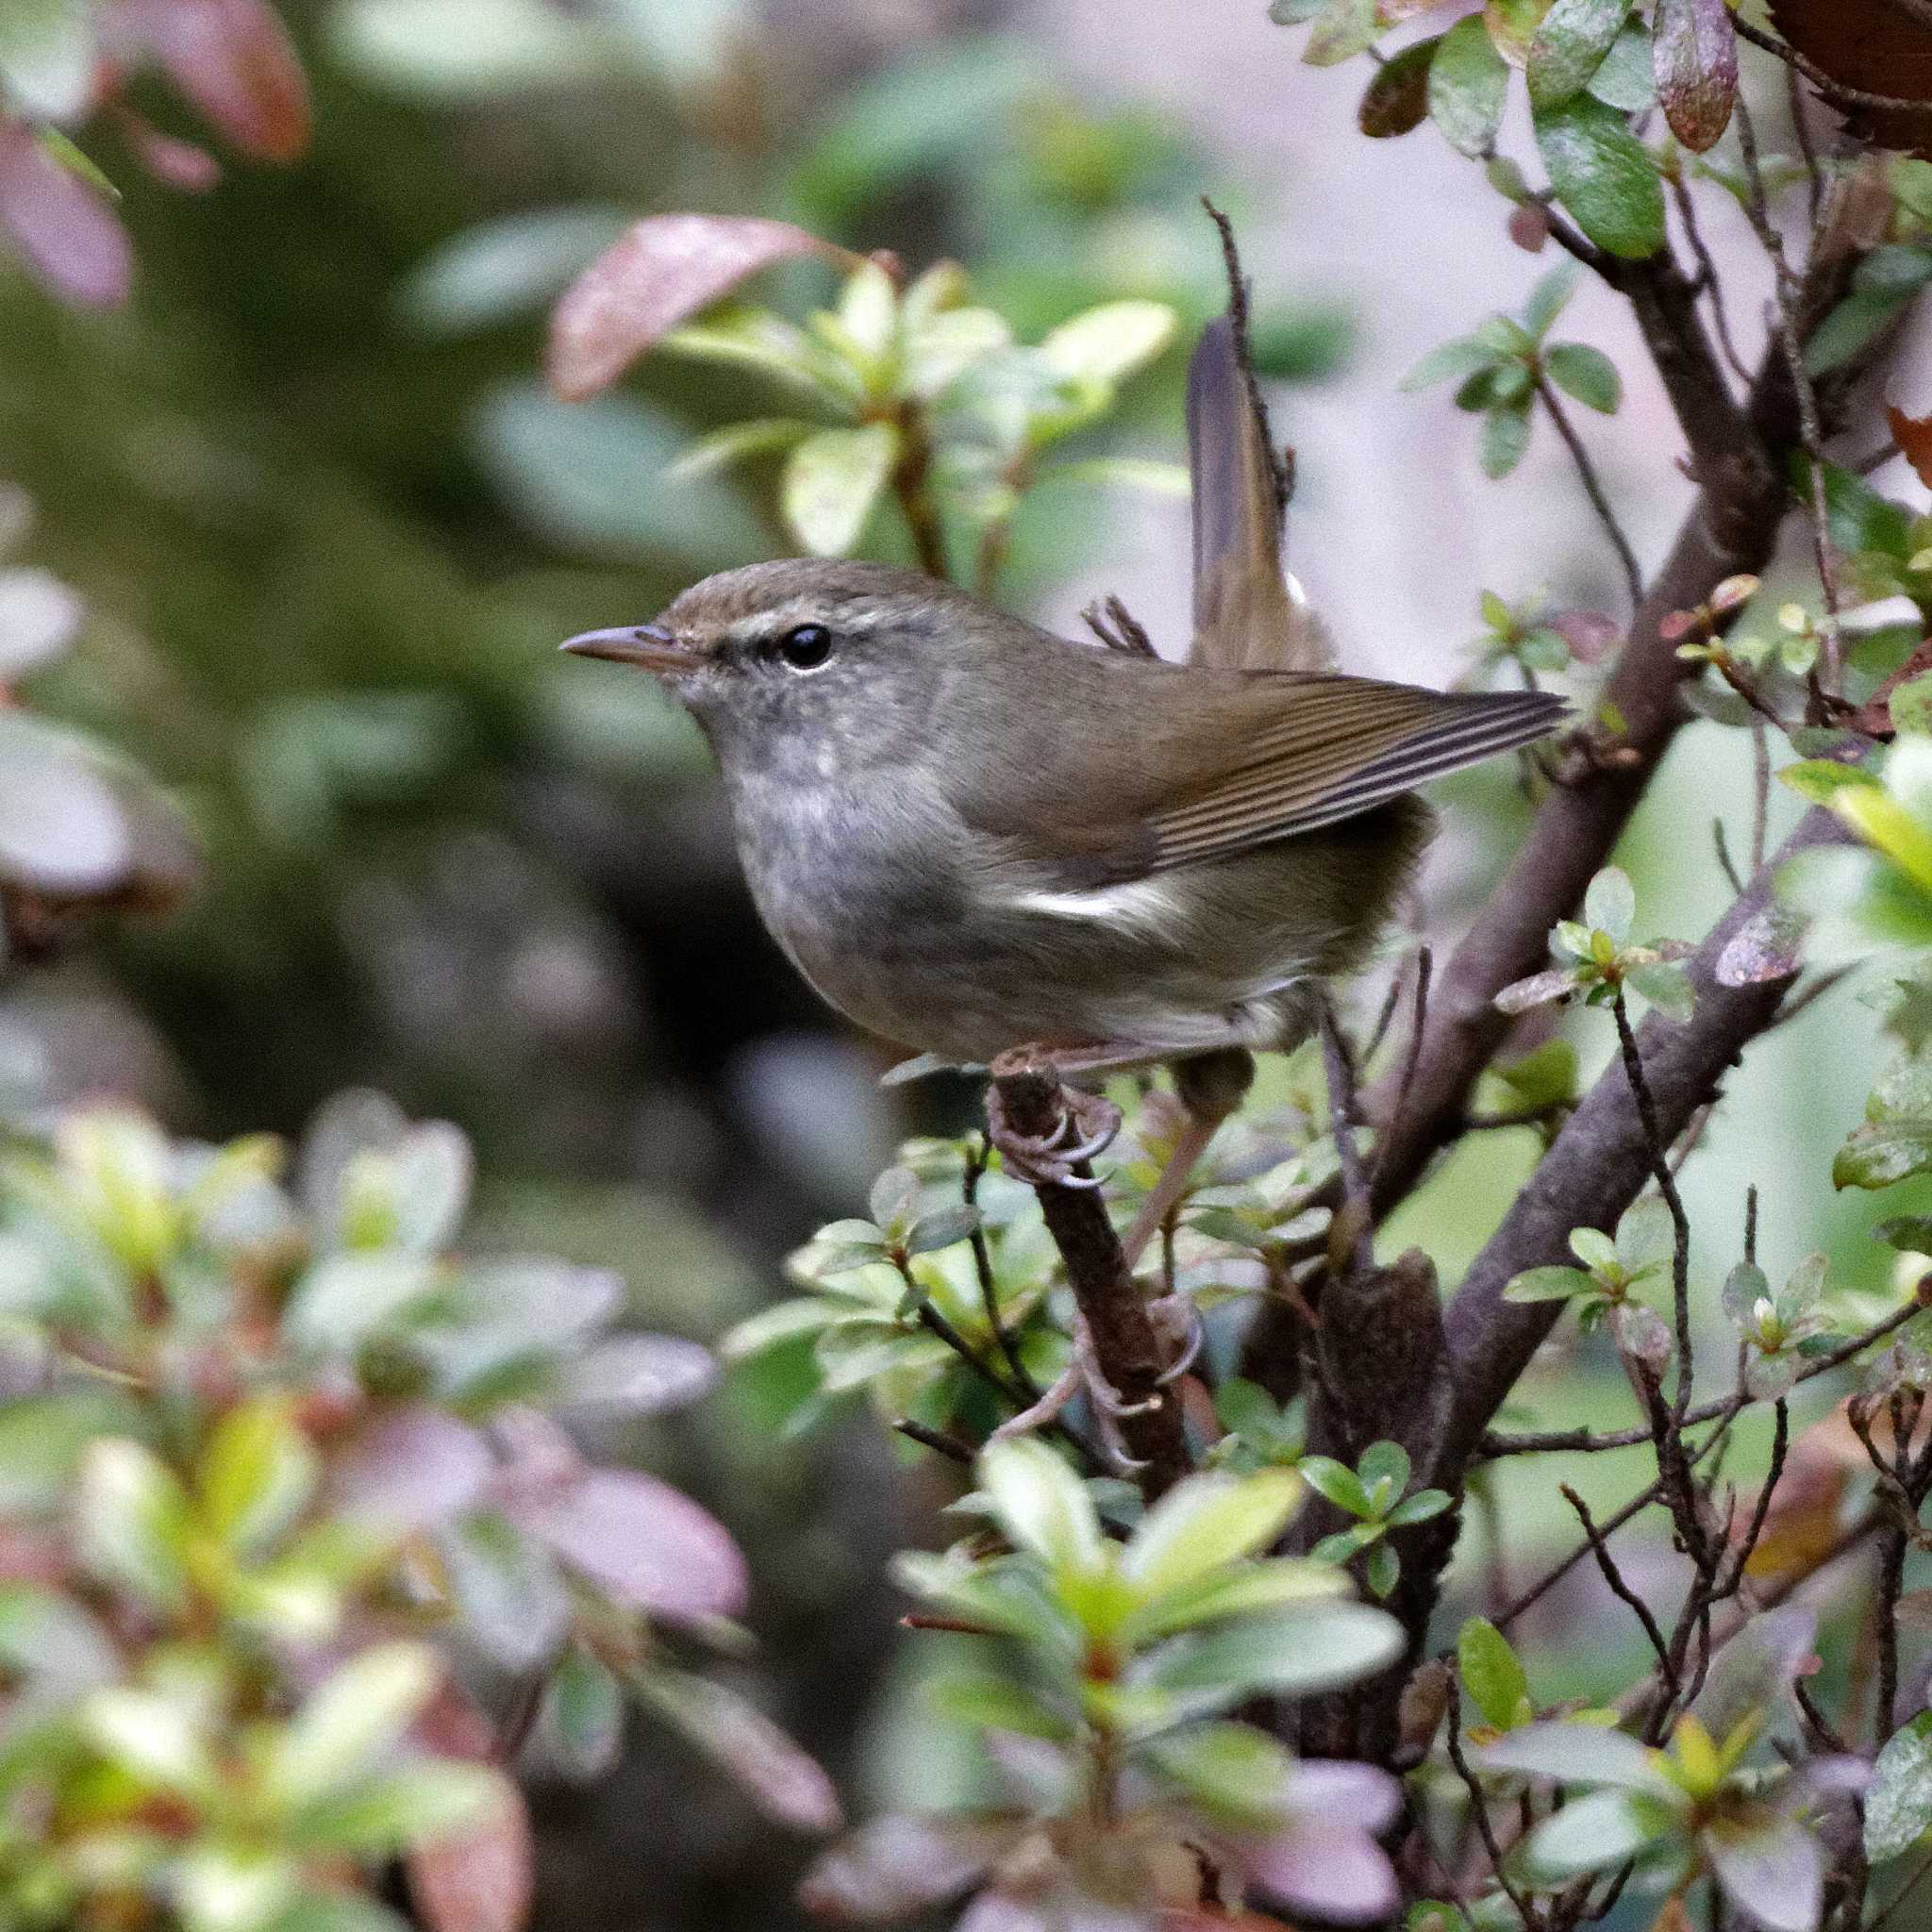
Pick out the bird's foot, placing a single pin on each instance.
(1084, 1375)
(1178, 1326)
(1084, 1125)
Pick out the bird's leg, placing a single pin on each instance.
(1211, 1085)
(1083, 1376)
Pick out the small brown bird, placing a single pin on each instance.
(970, 834)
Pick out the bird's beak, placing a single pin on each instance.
(648, 644)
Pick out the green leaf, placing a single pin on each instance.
(1294, 1654)
(1860, 519)
(1232, 1769)
(1513, 26)
(256, 1474)
(344, 1299)
(1469, 84)
(415, 1803)
(1570, 47)
(1910, 704)
(345, 1725)
(1816, 779)
(1418, 1508)
(1895, 1140)
(1578, 1754)
(736, 442)
(1548, 1285)
(152, 1737)
(1104, 344)
(1624, 80)
(1587, 374)
(1505, 437)
(1549, 299)
(1898, 1802)
(1383, 1570)
(996, 1703)
(1243, 1591)
(1604, 176)
(131, 1522)
(585, 1711)
(1596, 1250)
(1206, 1523)
(832, 481)
(1346, 28)
(1666, 984)
(1385, 1463)
(1851, 327)
(1450, 363)
(1491, 1674)
(1610, 904)
(1337, 1482)
(1594, 1833)
(1042, 1504)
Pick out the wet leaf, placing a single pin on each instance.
(1569, 46)
(663, 270)
(1469, 84)
(1695, 49)
(1898, 1805)
(1604, 176)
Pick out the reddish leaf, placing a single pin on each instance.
(1871, 45)
(900, 1864)
(639, 1540)
(412, 1470)
(1529, 226)
(786, 1782)
(1694, 51)
(1913, 435)
(482, 1881)
(661, 271)
(61, 225)
(174, 163)
(234, 60)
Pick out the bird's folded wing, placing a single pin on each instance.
(1336, 747)
(1215, 762)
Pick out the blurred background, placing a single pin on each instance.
(327, 528)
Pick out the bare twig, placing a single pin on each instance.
(1621, 1591)
(1592, 487)
(940, 1443)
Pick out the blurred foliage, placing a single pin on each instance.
(259, 1444)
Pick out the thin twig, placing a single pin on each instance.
(1621, 1591)
(1479, 1811)
(1418, 1026)
(937, 1441)
(1667, 1185)
(1592, 487)
(1708, 275)
(1587, 1441)
(982, 1268)
(1785, 327)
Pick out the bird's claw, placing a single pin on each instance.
(1086, 1125)
(1083, 1376)
(1177, 1321)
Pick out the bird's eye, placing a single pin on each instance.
(805, 646)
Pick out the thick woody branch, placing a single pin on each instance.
(1126, 1347)
(1600, 1163)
